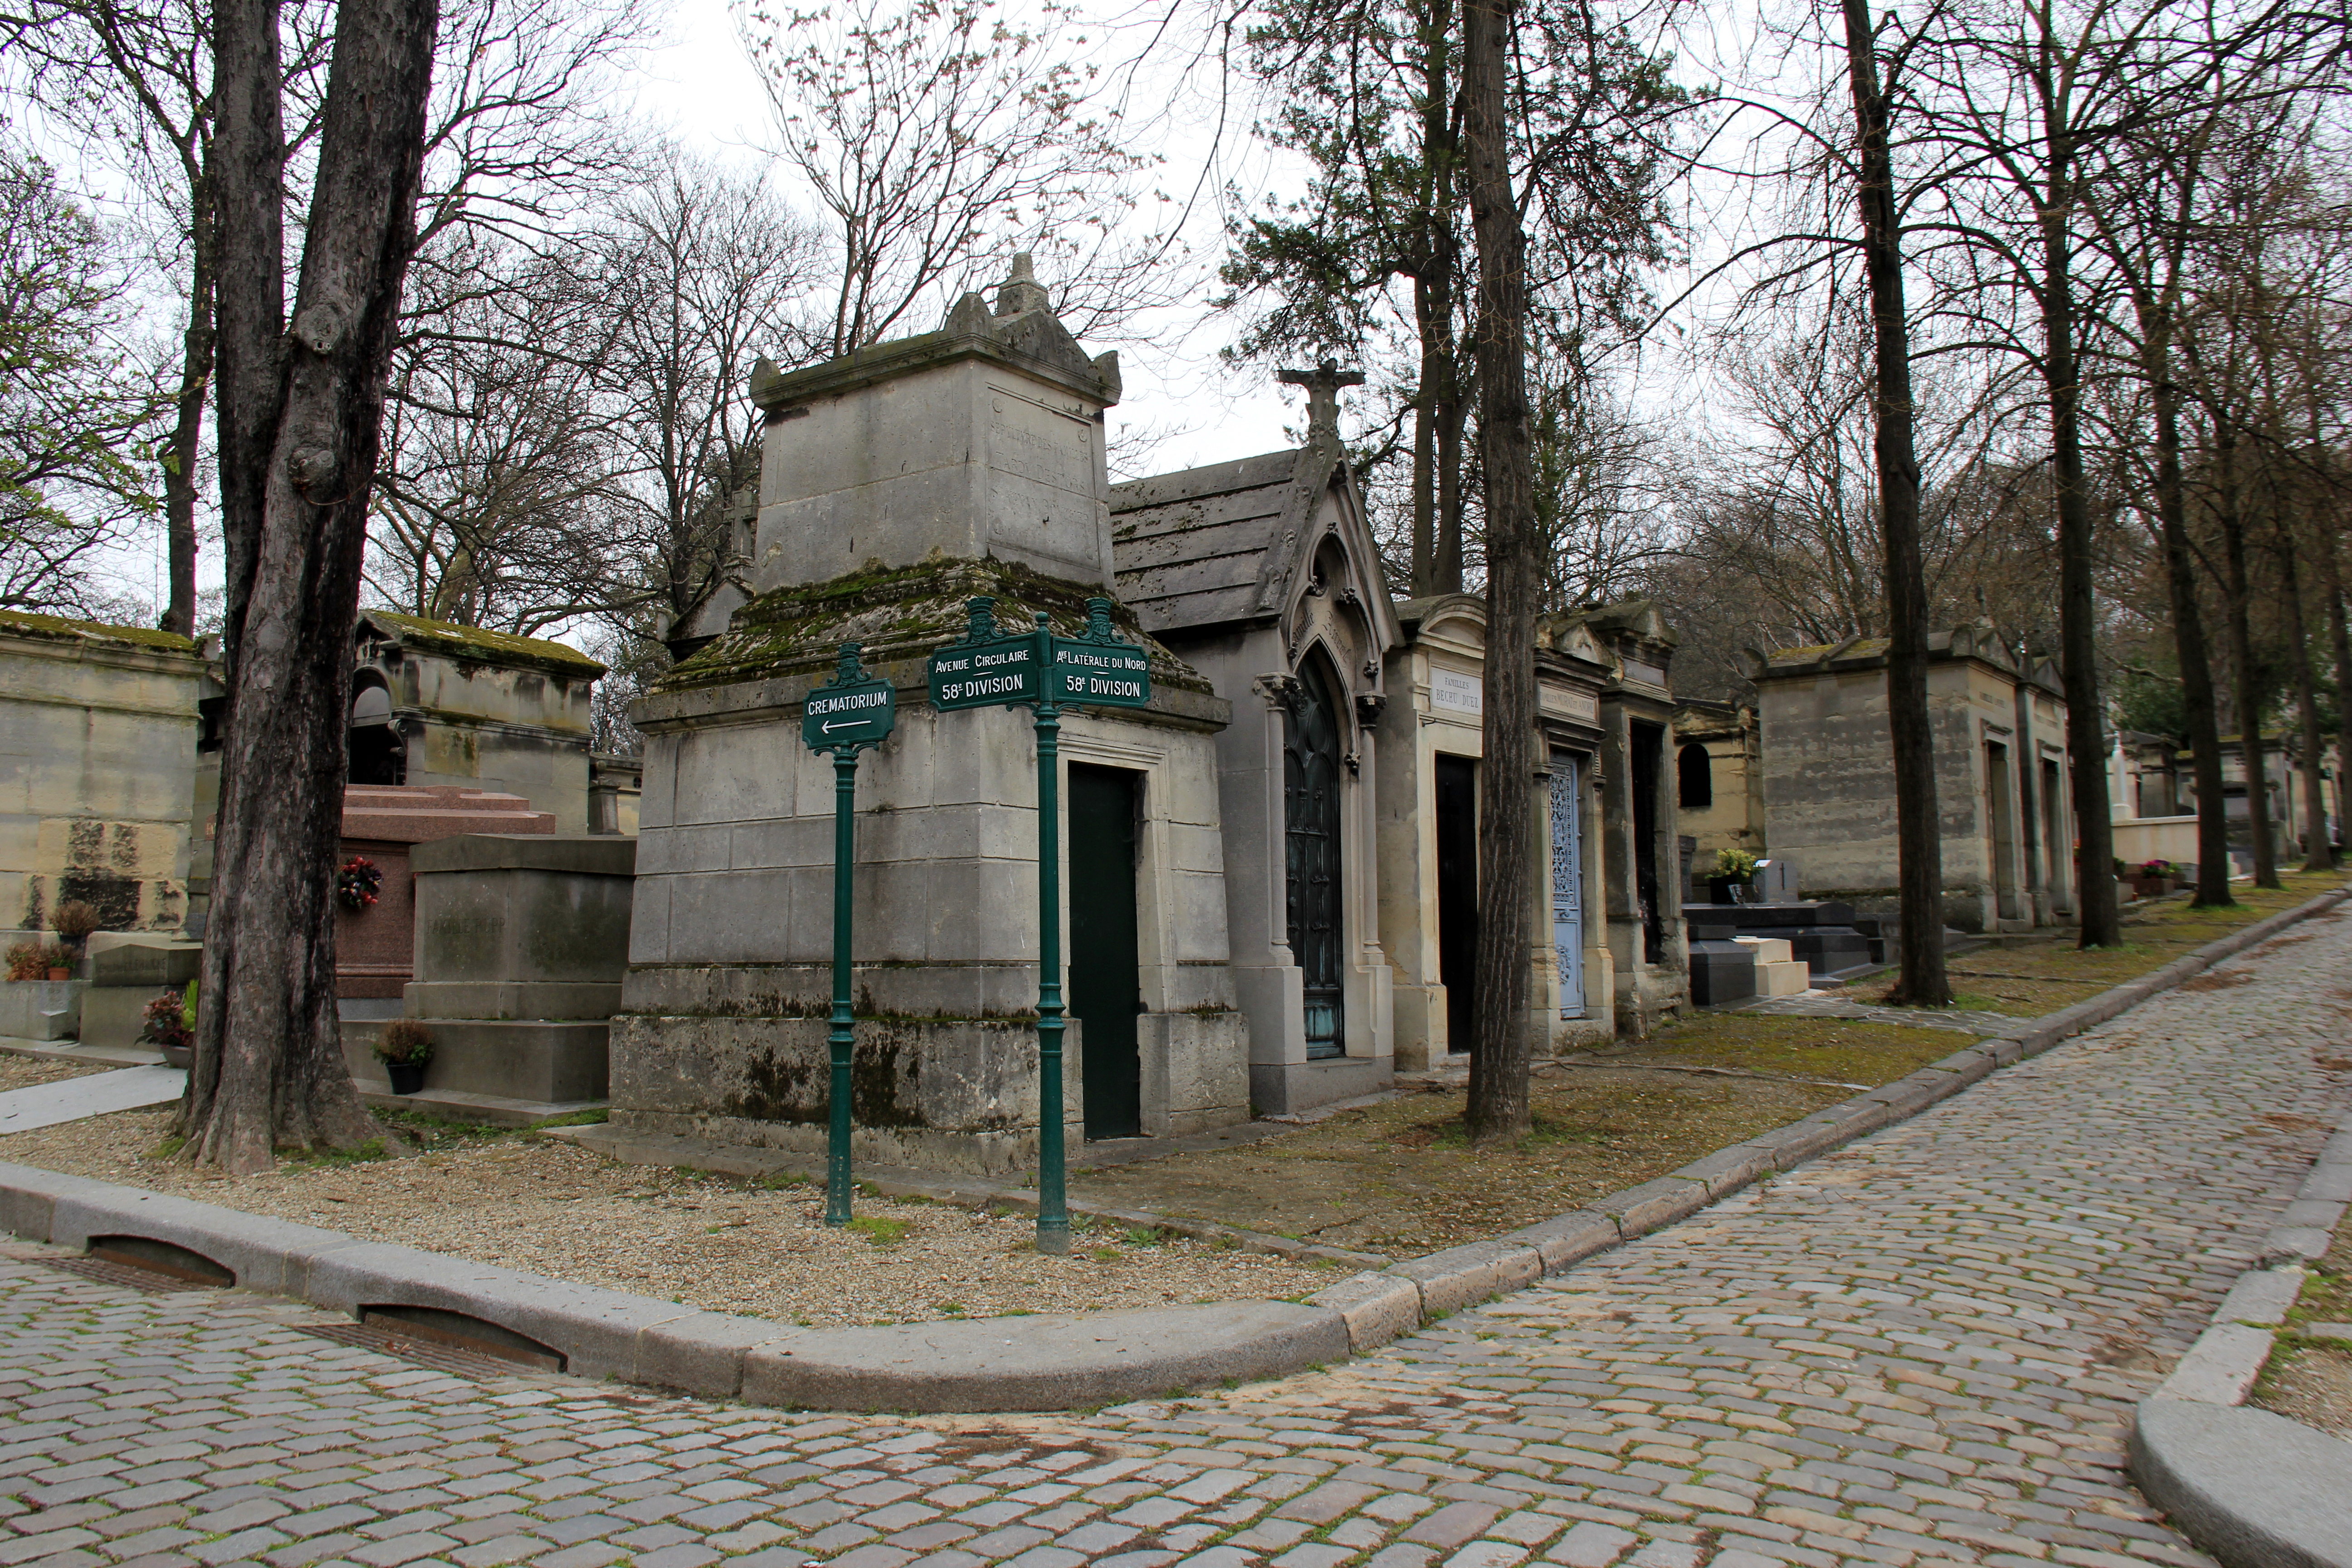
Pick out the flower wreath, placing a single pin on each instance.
(357, 882)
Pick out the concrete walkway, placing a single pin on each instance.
(72, 1099)
(1922, 1349)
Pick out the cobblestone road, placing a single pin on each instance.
(1919, 1350)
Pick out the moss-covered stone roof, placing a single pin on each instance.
(483, 646)
(54, 628)
(898, 612)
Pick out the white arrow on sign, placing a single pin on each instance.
(845, 724)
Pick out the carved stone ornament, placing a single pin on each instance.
(1283, 691)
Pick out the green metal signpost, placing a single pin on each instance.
(848, 713)
(1040, 670)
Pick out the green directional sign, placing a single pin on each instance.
(851, 710)
(985, 675)
(1106, 675)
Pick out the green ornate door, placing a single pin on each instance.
(1311, 858)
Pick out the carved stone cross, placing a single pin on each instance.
(1322, 383)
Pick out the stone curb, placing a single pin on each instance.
(1377, 1306)
(1039, 1362)
(1029, 1363)
(2254, 1489)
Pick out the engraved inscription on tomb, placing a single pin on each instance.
(1035, 442)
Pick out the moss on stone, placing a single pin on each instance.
(896, 614)
(56, 628)
(488, 646)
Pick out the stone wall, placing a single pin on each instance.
(97, 762)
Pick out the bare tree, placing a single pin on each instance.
(935, 136)
(708, 272)
(74, 402)
(496, 498)
(301, 400)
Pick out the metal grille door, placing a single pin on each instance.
(1568, 882)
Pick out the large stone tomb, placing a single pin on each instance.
(897, 485)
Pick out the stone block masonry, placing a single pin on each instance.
(98, 766)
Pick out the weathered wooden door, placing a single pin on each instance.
(1568, 882)
(1458, 896)
(1105, 978)
(1310, 798)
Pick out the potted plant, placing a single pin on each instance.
(171, 1025)
(2154, 879)
(1734, 871)
(40, 961)
(73, 920)
(404, 1047)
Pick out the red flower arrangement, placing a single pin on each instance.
(358, 882)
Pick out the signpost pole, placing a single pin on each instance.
(846, 715)
(1053, 1209)
(840, 1037)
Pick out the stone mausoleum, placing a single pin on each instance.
(461, 707)
(898, 484)
(1431, 764)
(1262, 575)
(2001, 788)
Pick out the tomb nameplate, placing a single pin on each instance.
(1461, 693)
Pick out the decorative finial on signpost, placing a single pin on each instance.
(1098, 621)
(1322, 383)
(849, 668)
(982, 625)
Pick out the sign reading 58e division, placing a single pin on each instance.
(1103, 674)
(985, 674)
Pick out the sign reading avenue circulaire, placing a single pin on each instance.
(984, 674)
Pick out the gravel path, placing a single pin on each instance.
(730, 1245)
(1921, 1351)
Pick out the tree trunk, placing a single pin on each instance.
(1499, 1064)
(2188, 621)
(2237, 589)
(2340, 631)
(185, 447)
(1919, 851)
(2096, 902)
(300, 409)
(1433, 301)
(1453, 414)
(2318, 855)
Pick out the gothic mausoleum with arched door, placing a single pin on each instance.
(1262, 574)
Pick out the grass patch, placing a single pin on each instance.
(880, 1231)
(1839, 1050)
(365, 1153)
(596, 1116)
(167, 1148)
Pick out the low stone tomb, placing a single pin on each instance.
(1778, 972)
(383, 824)
(1722, 969)
(1821, 933)
(521, 942)
(127, 969)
